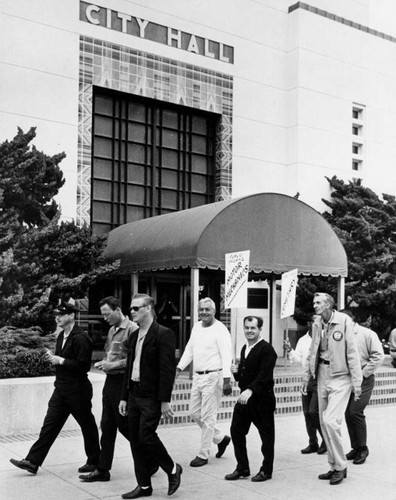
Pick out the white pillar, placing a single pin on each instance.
(194, 296)
(341, 293)
(134, 283)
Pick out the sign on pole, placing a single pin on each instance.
(236, 279)
(288, 293)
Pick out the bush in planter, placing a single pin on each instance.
(22, 352)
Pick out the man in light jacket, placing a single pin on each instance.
(334, 359)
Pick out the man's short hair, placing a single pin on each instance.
(349, 313)
(328, 298)
(260, 321)
(210, 301)
(110, 301)
(148, 301)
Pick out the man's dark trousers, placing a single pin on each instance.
(144, 414)
(354, 414)
(111, 420)
(65, 402)
(260, 412)
(310, 407)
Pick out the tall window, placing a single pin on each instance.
(149, 158)
(358, 111)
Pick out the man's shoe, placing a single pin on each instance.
(236, 475)
(198, 462)
(261, 476)
(338, 476)
(138, 492)
(25, 465)
(312, 448)
(361, 456)
(174, 480)
(96, 475)
(327, 475)
(351, 455)
(222, 446)
(322, 448)
(87, 468)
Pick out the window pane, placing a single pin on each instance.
(103, 147)
(169, 179)
(101, 211)
(102, 169)
(136, 195)
(137, 112)
(136, 174)
(169, 199)
(103, 126)
(198, 183)
(136, 153)
(135, 213)
(170, 139)
(199, 124)
(170, 158)
(104, 105)
(169, 119)
(199, 164)
(198, 144)
(198, 200)
(137, 133)
(101, 190)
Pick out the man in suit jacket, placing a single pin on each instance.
(256, 403)
(146, 394)
(72, 394)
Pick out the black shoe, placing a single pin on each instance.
(222, 446)
(154, 470)
(198, 462)
(361, 456)
(338, 476)
(327, 475)
(311, 448)
(351, 455)
(139, 492)
(87, 468)
(96, 475)
(261, 476)
(237, 475)
(25, 465)
(174, 480)
(322, 448)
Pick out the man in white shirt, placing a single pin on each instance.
(209, 348)
(309, 400)
(371, 357)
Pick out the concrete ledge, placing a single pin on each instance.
(24, 403)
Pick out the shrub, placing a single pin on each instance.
(22, 352)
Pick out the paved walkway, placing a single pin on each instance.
(295, 475)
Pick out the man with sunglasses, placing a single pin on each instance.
(146, 394)
(113, 364)
(72, 394)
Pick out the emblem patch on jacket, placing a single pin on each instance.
(337, 336)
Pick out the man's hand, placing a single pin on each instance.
(104, 365)
(234, 368)
(245, 396)
(287, 346)
(357, 391)
(166, 410)
(123, 408)
(227, 388)
(304, 389)
(53, 359)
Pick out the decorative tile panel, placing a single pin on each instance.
(116, 67)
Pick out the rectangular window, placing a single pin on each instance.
(257, 298)
(356, 165)
(149, 158)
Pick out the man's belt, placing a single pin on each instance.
(324, 361)
(209, 371)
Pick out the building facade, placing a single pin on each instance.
(162, 106)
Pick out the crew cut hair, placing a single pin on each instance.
(111, 301)
(260, 321)
(209, 300)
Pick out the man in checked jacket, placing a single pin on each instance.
(256, 403)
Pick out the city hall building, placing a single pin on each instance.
(169, 106)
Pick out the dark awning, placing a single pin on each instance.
(282, 233)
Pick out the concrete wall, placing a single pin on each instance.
(27, 400)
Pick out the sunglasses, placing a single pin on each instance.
(135, 308)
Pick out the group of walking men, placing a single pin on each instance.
(140, 371)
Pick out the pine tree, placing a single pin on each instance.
(366, 226)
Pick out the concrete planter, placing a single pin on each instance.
(24, 403)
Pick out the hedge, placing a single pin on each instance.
(22, 352)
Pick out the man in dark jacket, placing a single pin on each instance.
(72, 394)
(256, 403)
(146, 394)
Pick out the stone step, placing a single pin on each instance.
(287, 392)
